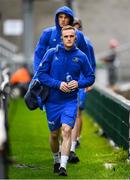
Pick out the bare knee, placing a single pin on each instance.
(54, 135)
(66, 131)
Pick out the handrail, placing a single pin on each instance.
(10, 46)
(5, 52)
(7, 49)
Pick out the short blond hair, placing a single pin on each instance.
(68, 27)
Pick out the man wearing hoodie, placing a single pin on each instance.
(51, 36)
(60, 69)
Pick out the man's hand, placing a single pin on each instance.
(88, 89)
(64, 87)
(73, 85)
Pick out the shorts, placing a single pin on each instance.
(81, 99)
(58, 114)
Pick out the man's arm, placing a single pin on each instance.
(88, 73)
(86, 46)
(88, 79)
(43, 74)
(41, 48)
(92, 56)
(44, 70)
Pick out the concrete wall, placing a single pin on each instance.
(106, 19)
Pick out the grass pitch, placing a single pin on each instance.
(29, 140)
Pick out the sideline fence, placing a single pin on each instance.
(112, 113)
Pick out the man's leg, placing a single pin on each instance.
(65, 148)
(79, 126)
(82, 101)
(74, 136)
(54, 143)
(72, 156)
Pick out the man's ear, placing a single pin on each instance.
(75, 38)
(61, 38)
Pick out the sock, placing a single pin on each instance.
(56, 157)
(60, 142)
(73, 145)
(64, 159)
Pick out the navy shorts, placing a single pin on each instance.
(81, 99)
(62, 113)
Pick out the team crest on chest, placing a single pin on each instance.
(75, 59)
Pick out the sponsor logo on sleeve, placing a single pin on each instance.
(54, 40)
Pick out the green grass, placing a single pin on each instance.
(29, 138)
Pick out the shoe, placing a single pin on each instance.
(73, 158)
(56, 168)
(62, 172)
(77, 144)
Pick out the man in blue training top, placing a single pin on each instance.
(61, 106)
(51, 36)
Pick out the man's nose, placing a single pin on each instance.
(63, 19)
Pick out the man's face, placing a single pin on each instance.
(63, 20)
(68, 37)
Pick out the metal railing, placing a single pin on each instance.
(7, 49)
(4, 146)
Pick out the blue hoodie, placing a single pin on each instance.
(51, 36)
(54, 67)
